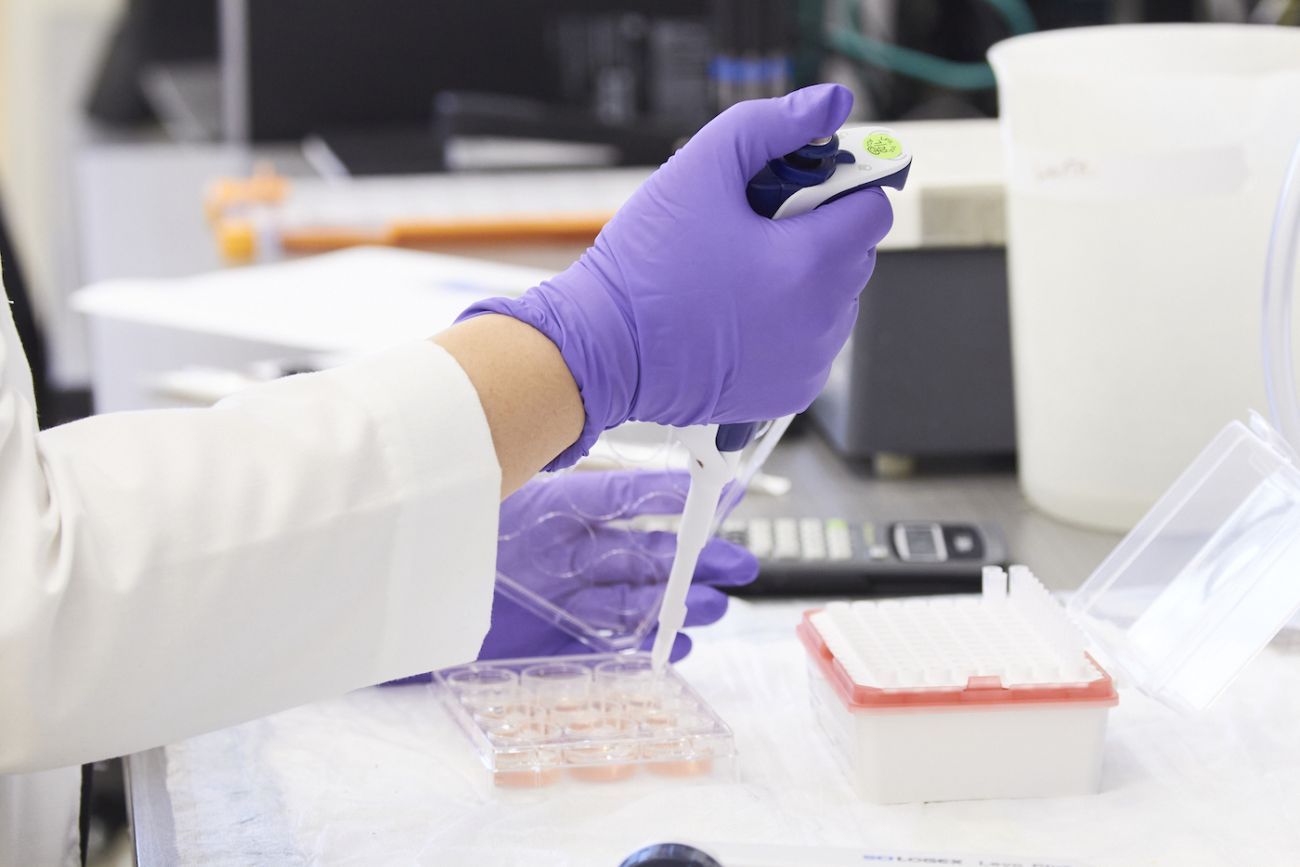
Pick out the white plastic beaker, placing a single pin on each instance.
(1143, 164)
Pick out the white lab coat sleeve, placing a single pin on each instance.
(166, 573)
(39, 818)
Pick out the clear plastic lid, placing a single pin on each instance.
(1207, 578)
(590, 549)
(1212, 573)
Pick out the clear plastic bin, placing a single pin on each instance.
(1207, 578)
(585, 719)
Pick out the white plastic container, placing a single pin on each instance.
(1143, 163)
(960, 698)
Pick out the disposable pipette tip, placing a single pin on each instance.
(662, 647)
(710, 471)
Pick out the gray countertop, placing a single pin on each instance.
(1061, 555)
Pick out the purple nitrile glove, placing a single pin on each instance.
(557, 540)
(690, 308)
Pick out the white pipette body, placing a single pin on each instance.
(710, 471)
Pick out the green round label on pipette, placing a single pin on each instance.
(883, 145)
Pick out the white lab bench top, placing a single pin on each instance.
(384, 776)
(351, 301)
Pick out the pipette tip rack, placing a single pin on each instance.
(953, 698)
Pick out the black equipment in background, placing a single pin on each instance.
(311, 66)
(805, 556)
(304, 67)
(150, 32)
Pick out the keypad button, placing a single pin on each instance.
(760, 538)
(786, 542)
(839, 542)
(812, 539)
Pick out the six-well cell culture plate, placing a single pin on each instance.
(587, 719)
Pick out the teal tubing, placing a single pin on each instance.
(910, 62)
(954, 74)
(1017, 14)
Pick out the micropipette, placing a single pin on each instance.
(710, 469)
(794, 184)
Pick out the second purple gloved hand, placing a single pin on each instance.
(557, 540)
(690, 308)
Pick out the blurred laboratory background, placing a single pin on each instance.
(113, 112)
(200, 194)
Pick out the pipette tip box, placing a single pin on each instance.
(594, 719)
(960, 698)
